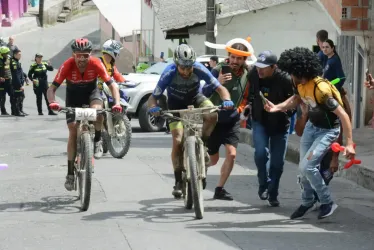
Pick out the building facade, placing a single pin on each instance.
(12, 10)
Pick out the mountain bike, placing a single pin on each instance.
(117, 128)
(83, 164)
(194, 169)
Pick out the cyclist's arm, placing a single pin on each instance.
(59, 79)
(165, 79)
(202, 72)
(118, 77)
(103, 74)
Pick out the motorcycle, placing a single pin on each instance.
(117, 127)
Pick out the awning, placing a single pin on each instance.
(124, 15)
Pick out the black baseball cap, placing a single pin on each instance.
(266, 59)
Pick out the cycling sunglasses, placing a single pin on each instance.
(82, 56)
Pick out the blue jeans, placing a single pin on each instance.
(292, 124)
(270, 152)
(314, 144)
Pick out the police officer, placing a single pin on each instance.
(18, 80)
(5, 80)
(38, 75)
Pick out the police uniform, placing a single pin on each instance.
(18, 80)
(39, 72)
(6, 86)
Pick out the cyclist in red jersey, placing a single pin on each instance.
(81, 72)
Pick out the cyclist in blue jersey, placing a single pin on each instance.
(182, 82)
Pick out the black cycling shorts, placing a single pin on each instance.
(79, 99)
(223, 133)
(199, 101)
(196, 101)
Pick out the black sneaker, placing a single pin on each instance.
(325, 210)
(263, 194)
(301, 211)
(273, 202)
(177, 190)
(222, 194)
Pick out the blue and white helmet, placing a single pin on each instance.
(112, 47)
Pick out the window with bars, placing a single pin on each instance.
(344, 13)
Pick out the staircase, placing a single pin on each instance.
(67, 12)
(65, 15)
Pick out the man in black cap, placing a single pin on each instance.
(270, 130)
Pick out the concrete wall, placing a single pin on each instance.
(276, 28)
(161, 44)
(124, 62)
(52, 9)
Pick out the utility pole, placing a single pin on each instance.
(210, 24)
(41, 13)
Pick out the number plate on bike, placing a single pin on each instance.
(85, 114)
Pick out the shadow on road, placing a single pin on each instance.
(159, 210)
(49, 204)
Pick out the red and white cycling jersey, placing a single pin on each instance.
(76, 80)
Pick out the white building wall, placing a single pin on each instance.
(277, 28)
(161, 44)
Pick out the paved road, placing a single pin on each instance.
(132, 208)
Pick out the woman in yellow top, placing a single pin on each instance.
(111, 50)
(322, 129)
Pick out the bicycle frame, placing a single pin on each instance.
(192, 119)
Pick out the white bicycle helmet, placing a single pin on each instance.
(184, 55)
(112, 47)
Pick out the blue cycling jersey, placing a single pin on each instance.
(179, 88)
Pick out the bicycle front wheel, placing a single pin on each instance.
(85, 170)
(195, 181)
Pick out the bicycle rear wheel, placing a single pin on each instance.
(85, 170)
(195, 181)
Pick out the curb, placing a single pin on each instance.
(359, 174)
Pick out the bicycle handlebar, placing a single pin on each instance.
(72, 110)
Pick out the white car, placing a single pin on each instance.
(144, 84)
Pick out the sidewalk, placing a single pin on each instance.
(362, 174)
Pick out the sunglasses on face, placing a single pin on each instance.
(82, 56)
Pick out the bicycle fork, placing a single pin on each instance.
(201, 159)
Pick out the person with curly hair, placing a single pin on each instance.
(322, 129)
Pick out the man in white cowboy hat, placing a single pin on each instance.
(232, 74)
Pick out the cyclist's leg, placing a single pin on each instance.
(71, 148)
(72, 100)
(176, 129)
(96, 102)
(210, 120)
